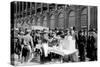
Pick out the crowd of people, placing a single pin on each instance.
(31, 43)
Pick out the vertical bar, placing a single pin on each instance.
(22, 9)
(48, 7)
(16, 9)
(35, 8)
(41, 8)
(19, 9)
(88, 24)
(48, 18)
(30, 8)
(56, 17)
(12, 32)
(56, 7)
(26, 8)
(65, 16)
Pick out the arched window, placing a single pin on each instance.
(52, 22)
(71, 19)
(45, 21)
(61, 21)
(84, 18)
(93, 21)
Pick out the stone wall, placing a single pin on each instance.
(60, 16)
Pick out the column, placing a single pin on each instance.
(42, 14)
(35, 8)
(65, 16)
(88, 25)
(78, 18)
(56, 16)
(19, 9)
(41, 8)
(22, 9)
(88, 21)
(16, 9)
(35, 13)
(18, 13)
(26, 8)
(48, 17)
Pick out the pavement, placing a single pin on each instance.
(35, 61)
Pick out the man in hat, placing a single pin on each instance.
(81, 45)
(28, 46)
(95, 45)
(91, 49)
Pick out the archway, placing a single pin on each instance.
(71, 19)
(61, 21)
(84, 18)
(45, 21)
(52, 22)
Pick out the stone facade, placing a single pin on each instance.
(54, 15)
